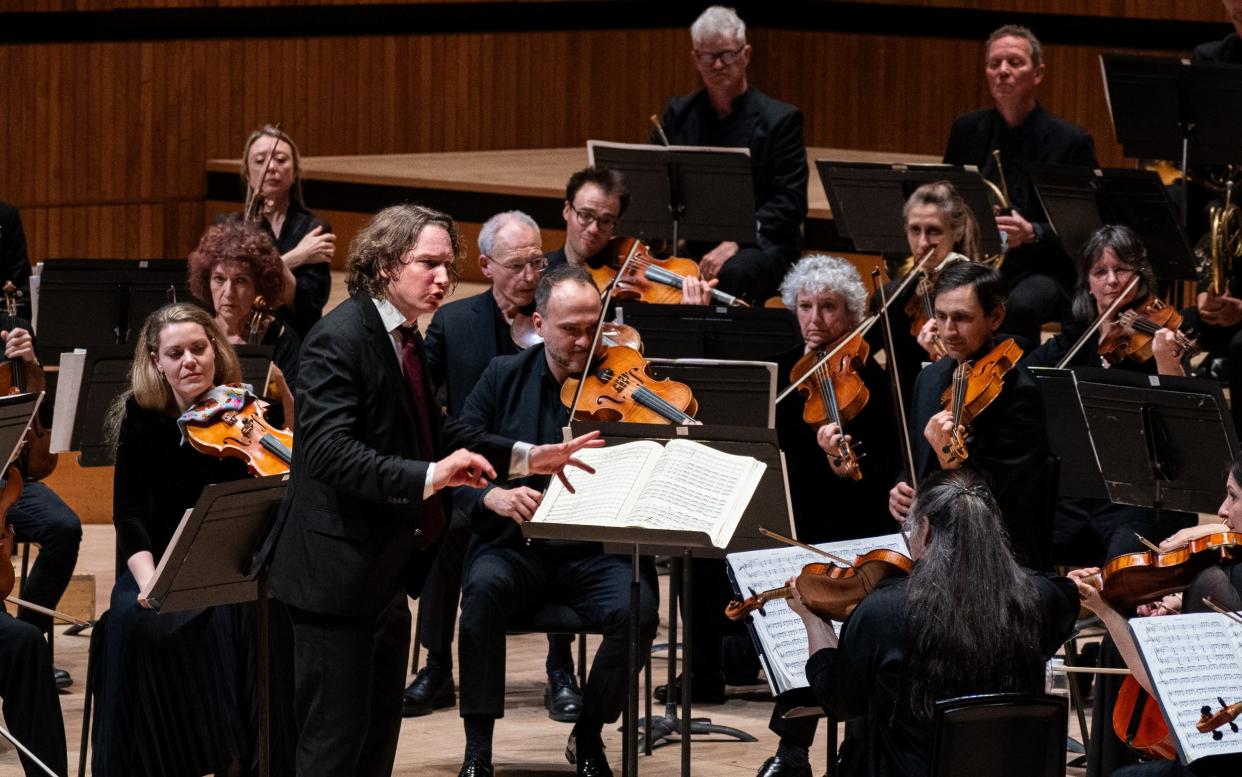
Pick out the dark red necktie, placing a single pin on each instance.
(412, 364)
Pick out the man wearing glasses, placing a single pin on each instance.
(594, 201)
(727, 112)
(462, 340)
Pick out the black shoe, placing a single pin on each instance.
(476, 766)
(777, 766)
(587, 756)
(62, 678)
(562, 697)
(432, 689)
(698, 695)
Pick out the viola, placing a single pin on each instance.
(1138, 326)
(919, 306)
(831, 591)
(1138, 722)
(260, 319)
(244, 434)
(1212, 721)
(8, 497)
(646, 279)
(18, 377)
(1131, 579)
(835, 392)
(974, 388)
(620, 387)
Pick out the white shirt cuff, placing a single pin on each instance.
(429, 486)
(519, 460)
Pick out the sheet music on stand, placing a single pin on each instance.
(777, 631)
(1194, 661)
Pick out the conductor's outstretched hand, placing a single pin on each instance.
(552, 459)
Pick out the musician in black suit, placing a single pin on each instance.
(1037, 268)
(1228, 49)
(362, 518)
(462, 340)
(14, 263)
(1007, 441)
(728, 112)
(507, 578)
(595, 199)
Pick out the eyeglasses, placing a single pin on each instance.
(707, 58)
(538, 265)
(586, 217)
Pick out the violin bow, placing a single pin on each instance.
(249, 215)
(60, 616)
(599, 329)
(862, 328)
(1230, 614)
(907, 448)
(1107, 314)
(4, 732)
(790, 541)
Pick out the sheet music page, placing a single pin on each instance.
(64, 410)
(697, 488)
(779, 632)
(604, 498)
(157, 580)
(1193, 660)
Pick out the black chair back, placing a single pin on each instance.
(1014, 734)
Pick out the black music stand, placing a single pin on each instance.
(1169, 108)
(16, 413)
(1161, 442)
(769, 507)
(1069, 439)
(92, 302)
(867, 200)
(1079, 200)
(105, 376)
(256, 363)
(208, 561)
(682, 192)
(712, 331)
(736, 393)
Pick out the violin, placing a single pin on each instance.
(522, 330)
(647, 278)
(974, 387)
(830, 591)
(619, 386)
(243, 434)
(8, 497)
(919, 306)
(1138, 722)
(260, 319)
(835, 393)
(1138, 326)
(1132, 579)
(1212, 722)
(18, 377)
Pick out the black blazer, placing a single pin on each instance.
(1008, 443)
(14, 263)
(772, 130)
(1041, 138)
(464, 336)
(345, 536)
(1227, 50)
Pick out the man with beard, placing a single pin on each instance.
(507, 578)
(462, 340)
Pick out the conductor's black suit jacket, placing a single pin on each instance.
(348, 535)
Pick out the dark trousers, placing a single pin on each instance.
(437, 606)
(349, 675)
(1092, 531)
(503, 585)
(711, 592)
(1224, 342)
(794, 732)
(755, 274)
(1033, 299)
(31, 703)
(42, 517)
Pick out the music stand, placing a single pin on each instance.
(712, 331)
(1169, 108)
(105, 376)
(737, 393)
(867, 200)
(1161, 442)
(16, 413)
(208, 560)
(256, 363)
(1069, 439)
(94, 302)
(688, 193)
(1079, 200)
(769, 507)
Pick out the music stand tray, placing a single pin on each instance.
(695, 193)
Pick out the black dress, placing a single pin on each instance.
(865, 677)
(174, 696)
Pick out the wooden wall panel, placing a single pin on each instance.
(1184, 10)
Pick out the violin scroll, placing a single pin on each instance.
(1213, 721)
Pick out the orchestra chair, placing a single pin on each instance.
(1014, 734)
